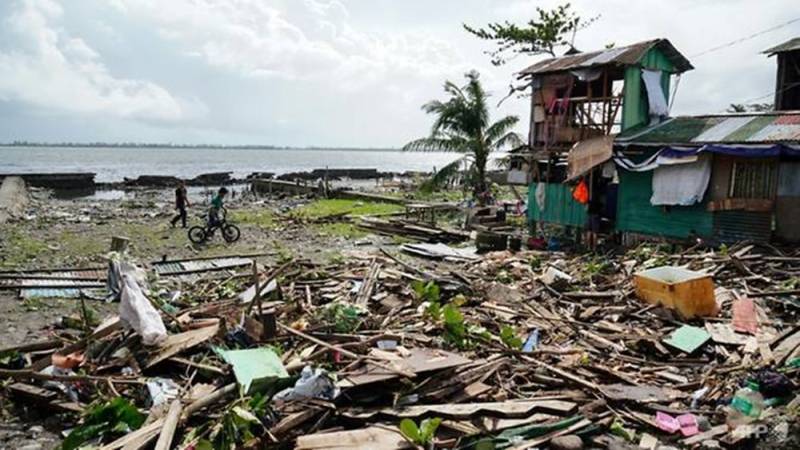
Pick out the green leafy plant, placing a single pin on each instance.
(462, 125)
(426, 292)
(239, 424)
(510, 338)
(422, 434)
(117, 416)
(550, 30)
(455, 329)
(344, 318)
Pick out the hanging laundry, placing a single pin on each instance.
(581, 193)
(681, 184)
(655, 94)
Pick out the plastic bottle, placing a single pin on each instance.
(746, 405)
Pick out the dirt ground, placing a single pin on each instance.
(77, 233)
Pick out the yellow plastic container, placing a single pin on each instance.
(690, 293)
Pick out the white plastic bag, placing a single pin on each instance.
(138, 313)
(313, 383)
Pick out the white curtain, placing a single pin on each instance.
(681, 184)
(655, 93)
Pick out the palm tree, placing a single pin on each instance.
(462, 125)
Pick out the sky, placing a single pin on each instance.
(339, 73)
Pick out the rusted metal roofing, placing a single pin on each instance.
(788, 46)
(747, 128)
(78, 274)
(617, 56)
(15, 283)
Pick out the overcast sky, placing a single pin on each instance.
(321, 72)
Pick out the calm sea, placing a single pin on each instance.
(114, 164)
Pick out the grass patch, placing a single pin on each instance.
(262, 218)
(82, 244)
(452, 195)
(329, 207)
(19, 249)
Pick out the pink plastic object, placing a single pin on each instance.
(667, 422)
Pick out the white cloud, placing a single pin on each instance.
(44, 66)
(296, 40)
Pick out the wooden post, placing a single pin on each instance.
(119, 244)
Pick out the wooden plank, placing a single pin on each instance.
(373, 438)
(170, 423)
(512, 409)
(177, 343)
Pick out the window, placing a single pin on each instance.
(754, 179)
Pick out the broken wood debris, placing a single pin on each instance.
(515, 349)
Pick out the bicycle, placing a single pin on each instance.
(230, 232)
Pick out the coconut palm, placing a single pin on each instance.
(462, 125)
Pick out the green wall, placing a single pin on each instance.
(634, 107)
(636, 214)
(559, 206)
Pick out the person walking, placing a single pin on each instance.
(181, 203)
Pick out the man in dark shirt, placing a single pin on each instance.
(181, 203)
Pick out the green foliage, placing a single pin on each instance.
(594, 267)
(426, 292)
(723, 250)
(429, 292)
(461, 124)
(543, 35)
(422, 434)
(455, 328)
(239, 423)
(284, 254)
(344, 318)
(117, 417)
(510, 338)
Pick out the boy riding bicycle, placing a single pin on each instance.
(217, 203)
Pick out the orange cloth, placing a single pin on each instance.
(581, 193)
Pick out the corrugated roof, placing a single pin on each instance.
(199, 265)
(619, 56)
(791, 44)
(748, 128)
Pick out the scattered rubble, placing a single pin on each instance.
(504, 350)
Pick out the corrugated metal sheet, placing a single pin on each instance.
(730, 128)
(791, 44)
(559, 206)
(17, 282)
(60, 293)
(636, 214)
(722, 129)
(89, 274)
(621, 56)
(734, 226)
(199, 265)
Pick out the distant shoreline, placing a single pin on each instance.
(188, 146)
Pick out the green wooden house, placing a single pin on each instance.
(585, 97)
(753, 189)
